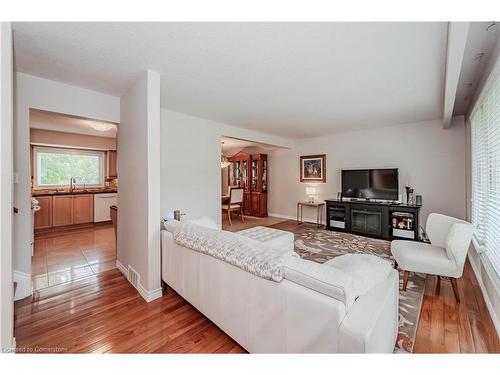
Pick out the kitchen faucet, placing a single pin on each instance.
(72, 183)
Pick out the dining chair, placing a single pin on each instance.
(235, 203)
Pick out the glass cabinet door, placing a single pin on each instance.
(244, 174)
(238, 173)
(255, 175)
(231, 175)
(264, 175)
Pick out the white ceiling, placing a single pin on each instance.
(68, 124)
(296, 80)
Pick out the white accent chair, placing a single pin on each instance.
(444, 256)
(235, 203)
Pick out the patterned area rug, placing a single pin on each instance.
(320, 245)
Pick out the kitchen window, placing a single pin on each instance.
(54, 167)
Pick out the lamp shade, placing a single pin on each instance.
(310, 190)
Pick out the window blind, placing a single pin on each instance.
(485, 133)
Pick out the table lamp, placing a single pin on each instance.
(311, 192)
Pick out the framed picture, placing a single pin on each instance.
(313, 168)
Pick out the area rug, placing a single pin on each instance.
(320, 245)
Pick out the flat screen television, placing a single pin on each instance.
(382, 184)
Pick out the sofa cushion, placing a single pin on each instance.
(366, 270)
(272, 237)
(422, 257)
(323, 279)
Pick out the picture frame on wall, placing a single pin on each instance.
(313, 168)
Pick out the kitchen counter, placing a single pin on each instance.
(41, 192)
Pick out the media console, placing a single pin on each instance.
(387, 221)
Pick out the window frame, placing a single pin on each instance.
(484, 157)
(68, 151)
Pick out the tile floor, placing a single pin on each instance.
(72, 254)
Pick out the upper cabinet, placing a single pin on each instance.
(239, 172)
(112, 172)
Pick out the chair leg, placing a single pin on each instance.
(229, 217)
(241, 213)
(455, 288)
(406, 275)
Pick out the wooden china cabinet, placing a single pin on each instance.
(249, 171)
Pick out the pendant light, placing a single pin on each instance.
(224, 162)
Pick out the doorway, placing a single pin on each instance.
(74, 183)
(245, 183)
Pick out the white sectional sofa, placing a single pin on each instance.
(311, 310)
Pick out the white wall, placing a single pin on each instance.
(56, 138)
(139, 198)
(432, 157)
(40, 93)
(190, 162)
(6, 140)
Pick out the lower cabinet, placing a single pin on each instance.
(259, 204)
(247, 203)
(43, 217)
(61, 210)
(83, 208)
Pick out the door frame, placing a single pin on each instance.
(7, 341)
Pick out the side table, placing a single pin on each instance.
(319, 211)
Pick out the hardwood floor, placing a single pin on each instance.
(103, 313)
(445, 326)
(250, 221)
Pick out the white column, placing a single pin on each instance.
(139, 183)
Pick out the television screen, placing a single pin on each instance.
(380, 184)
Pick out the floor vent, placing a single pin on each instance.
(133, 276)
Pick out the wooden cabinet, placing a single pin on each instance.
(83, 208)
(112, 172)
(62, 210)
(249, 171)
(43, 217)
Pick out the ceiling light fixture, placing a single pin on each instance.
(224, 162)
(101, 126)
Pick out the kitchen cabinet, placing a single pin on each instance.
(62, 210)
(112, 172)
(66, 209)
(83, 208)
(43, 217)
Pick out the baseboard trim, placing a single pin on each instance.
(148, 295)
(486, 297)
(294, 218)
(24, 288)
(121, 268)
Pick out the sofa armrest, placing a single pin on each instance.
(371, 325)
(326, 280)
